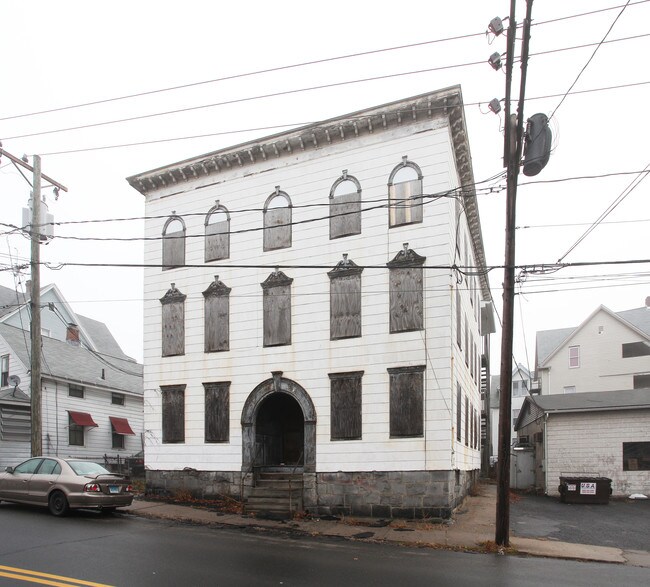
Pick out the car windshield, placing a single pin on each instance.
(87, 468)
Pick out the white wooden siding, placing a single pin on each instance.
(307, 179)
(592, 444)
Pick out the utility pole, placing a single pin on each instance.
(35, 305)
(35, 296)
(513, 145)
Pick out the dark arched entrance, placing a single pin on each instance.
(279, 432)
(278, 424)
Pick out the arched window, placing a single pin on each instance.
(405, 194)
(217, 233)
(345, 206)
(277, 221)
(173, 253)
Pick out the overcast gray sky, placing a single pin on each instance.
(65, 53)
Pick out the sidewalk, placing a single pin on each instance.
(471, 528)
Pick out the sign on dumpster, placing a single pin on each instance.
(587, 489)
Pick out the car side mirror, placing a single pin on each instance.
(9, 470)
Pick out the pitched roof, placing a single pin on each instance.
(549, 341)
(102, 337)
(591, 401)
(8, 301)
(62, 360)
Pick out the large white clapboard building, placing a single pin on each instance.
(316, 306)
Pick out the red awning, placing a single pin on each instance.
(82, 419)
(121, 426)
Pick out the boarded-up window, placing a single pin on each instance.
(467, 349)
(345, 299)
(173, 413)
(15, 423)
(217, 234)
(277, 221)
(459, 321)
(173, 253)
(466, 421)
(345, 419)
(406, 401)
(173, 322)
(406, 291)
(277, 309)
(459, 412)
(217, 316)
(217, 411)
(345, 207)
(405, 194)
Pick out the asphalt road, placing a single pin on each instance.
(125, 550)
(621, 523)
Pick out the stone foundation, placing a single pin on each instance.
(378, 494)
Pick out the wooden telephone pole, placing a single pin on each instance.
(512, 156)
(35, 296)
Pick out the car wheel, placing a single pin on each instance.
(58, 504)
(108, 510)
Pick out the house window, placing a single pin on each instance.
(277, 221)
(574, 357)
(117, 399)
(569, 389)
(216, 317)
(406, 291)
(173, 413)
(635, 349)
(459, 412)
(173, 243)
(345, 299)
(405, 194)
(117, 439)
(173, 322)
(76, 391)
(75, 432)
(406, 401)
(515, 415)
(15, 423)
(641, 381)
(4, 369)
(217, 411)
(345, 405)
(467, 349)
(636, 456)
(277, 309)
(217, 234)
(345, 207)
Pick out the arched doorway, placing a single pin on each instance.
(278, 424)
(279, 432)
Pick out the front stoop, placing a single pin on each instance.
(276, 495)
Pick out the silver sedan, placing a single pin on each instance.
(62, 484)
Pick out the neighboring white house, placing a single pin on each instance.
(591, 434)
(521, 388)
(607, 352)
(313, 303)
(92, 397)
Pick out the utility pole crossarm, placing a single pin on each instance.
(27, 166)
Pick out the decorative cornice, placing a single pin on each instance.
(217, 289)
(344, 268)
(406, 258)
(172, 296)
(276, 279)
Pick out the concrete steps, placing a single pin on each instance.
(276, 495)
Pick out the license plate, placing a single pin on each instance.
(113, 488)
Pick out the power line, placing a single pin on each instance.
(289, 92)
(298, 124)
(589, 60)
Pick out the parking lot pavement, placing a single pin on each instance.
(622, 523)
